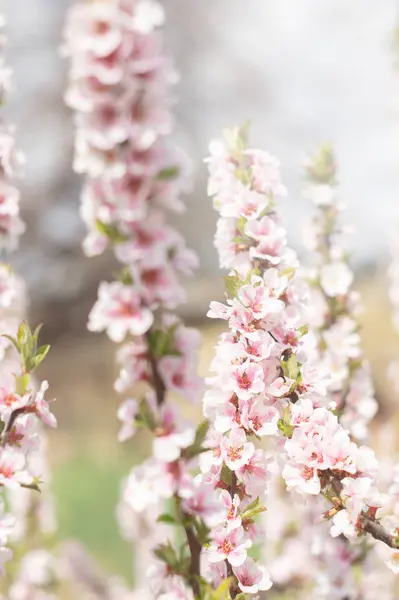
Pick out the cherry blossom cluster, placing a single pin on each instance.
(11, 160)
(22, 402)
(20, 409)
(266, 382)
(120, 89)
(332, 317)
(334, 305)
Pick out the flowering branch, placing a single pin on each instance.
(334, 306)
(120, 91)
(266, 383)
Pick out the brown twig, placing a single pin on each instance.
(366, 523)
(377, 531)
(195, 552)
(157, 381)
(192, 541)
(5, 435)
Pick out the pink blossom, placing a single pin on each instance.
(231, 505)
(252, 578)
(199, 502)
(118, 311)
(262, 419)
(127, 413)
(41, 406)
(302, 478)
(176, 589)
(179, 375)
(247, 380)
(147, 485)
(12, 468)
(171, 438)
(236, 450)
(265, 172)
(336, 278)
(229, 545)
(256, 299)
(255, 473)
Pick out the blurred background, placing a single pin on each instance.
(302, 72)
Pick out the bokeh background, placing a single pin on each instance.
(302, 72)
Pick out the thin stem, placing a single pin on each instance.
(195, 552)
(377, 531)
(157, 381)
(192, 541)
(366, 523)
(234, 590)
(8, 428)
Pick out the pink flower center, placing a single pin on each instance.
(244, 381)
(256, 423)
(307, 473)
(151, 277)
(9, 399)
(7, 472)
(216, 452)
(178, 380)
(235, 453)
(245, 579)
(124, 309)
(253, 349)
(226, 547)
(232, 513)
(101, 27)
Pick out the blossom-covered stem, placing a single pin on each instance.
(120, 90)
(334, 305)
(266, 382)
(22, 403)
(193, 544)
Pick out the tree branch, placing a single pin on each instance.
(157, 381)
(192, 541)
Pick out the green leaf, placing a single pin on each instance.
(165, 518)
(35, 485)
(303, 330)
(197, 446)
(223, 591)
(41, 354)
(12, 340)
(237, 138)
(146, 415)
(111, 232)
(285, 428)
(255, 508)
(168, 173)
(292, 367)
(201, 432)
(202, 531)
(162, 343)
(322, 167)
(233, 284)
(240, 225)
(21, 384)
(24, 334)
(226, 475)
(167, 554)
(125, 276)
